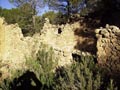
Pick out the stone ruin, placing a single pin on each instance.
(63, 40)
(15, 48)
(108, 46)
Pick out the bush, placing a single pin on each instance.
(79, 76)
(43, 74)
(44, 65)
(39, 72)
(111, 86)
(9, 82)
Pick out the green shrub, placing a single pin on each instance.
(44, 65)
(40, 68)
(5, 85)
(79, 76)
(82, 75)
(111, 86)
(8, 82)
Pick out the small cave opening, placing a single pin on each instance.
(59, 31)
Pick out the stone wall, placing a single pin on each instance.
(2, 38)
(14, 48)
(108, 46)
(61, 38)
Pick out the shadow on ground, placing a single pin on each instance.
(28, 81)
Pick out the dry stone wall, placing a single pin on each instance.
(15, 48)
(2, 37)
(108, 46)
(61, 38)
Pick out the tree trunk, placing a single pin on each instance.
(68, 10)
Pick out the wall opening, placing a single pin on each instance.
(59, 31)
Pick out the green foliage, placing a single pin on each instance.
(71, 7)
(39, 23)
(51, 15)
(111, 86)
(35, 4)
(66, 9)
(11, 16)
(61, 18)
(44, 65)
(82, 75)
(66, 6)
(6, 84)
(26, 19)
(22, 16)
(98, 8)
(79, 76)
(55, 17)
(28, 22)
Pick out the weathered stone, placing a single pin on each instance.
(107, 26)
(106, 35)
(97, 31)
(15, 48)
(2, 43)
(108, 46)
(113, 27)
(109, 30)
(63, 42)
(117, 47)
(104, 31)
